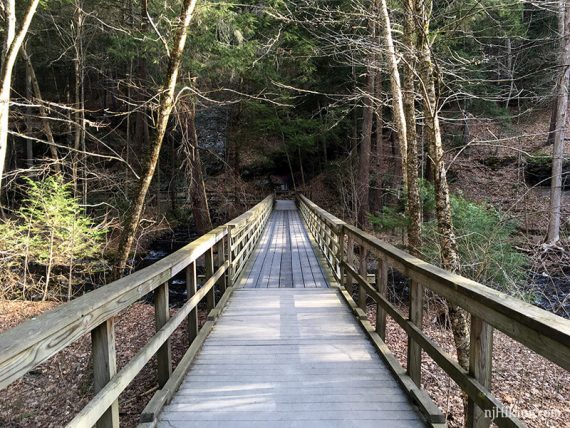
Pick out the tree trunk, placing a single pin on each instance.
(79, 104)
(448, 242)
(301, 166)
(43, 111)
(29, 121)
(200, 208)
(561, 42)
(413, 206)
(12, 42)
(166, 105)
(558, 148)
(397, 103)
(142, 134)
(380, 164)
(366, 140)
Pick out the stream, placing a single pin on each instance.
(165, 245)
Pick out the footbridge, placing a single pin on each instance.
(287, 341)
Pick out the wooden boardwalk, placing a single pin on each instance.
(284, 257)
(287, 351)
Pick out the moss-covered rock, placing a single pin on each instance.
(538, 170)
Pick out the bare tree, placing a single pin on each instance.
(413, 206)
(447, 239)
(166, 105)
(12, 43)
(395, 84)
(366, 136)
(560, 129)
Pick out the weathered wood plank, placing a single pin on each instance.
(104, 368)
(191, 287)
(416, 316)
(161, 316)
(480, 367)
(314, 367)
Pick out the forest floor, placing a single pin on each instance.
(55, 391)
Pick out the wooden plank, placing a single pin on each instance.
(89, 415)
(51, 332)
(165, 394)
(191, 288)
(161, 316)
(363, 270)
(104, 368)
(273, 273)
(416, 316)
(286, 268)
(539, 330)
(428, 408)
(291, 355)
(480, 367)
(209, 266)
(381, 281)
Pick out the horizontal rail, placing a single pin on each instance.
(91, 413)
(26, 346)
(541, 331)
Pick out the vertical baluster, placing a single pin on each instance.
(349, 256)
(230, 253)
(105, 367)
(161, 316)
(480, 367)
(191, 286)
(209, 261)
(221, 260)
(340, 271)
(363, 271)
(416, 317)
(381, 278)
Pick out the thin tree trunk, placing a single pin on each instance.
(397, 103)
(561, 42)
(301, 166)
(142, 135)
(200, 208)
(380, 152)
(558, 148)
(43, 111)
(29, 121)
(366, 137)
(133, 217)
(448, 242)
(290, 167)
(12, 42)
(413, 206)
(79, 107)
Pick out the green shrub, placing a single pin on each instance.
(484, 239)
(50, 230)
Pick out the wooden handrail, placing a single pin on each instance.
(543, 332)
(26, 346)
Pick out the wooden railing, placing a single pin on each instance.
(347, 250)
(223, 251)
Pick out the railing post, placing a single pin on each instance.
(229, 249)
(480, 367)
(381, 278)
(363, 271)
(162, 315)
(347, 279)
(191, 286)
(104, 368)
(340, 255)
(416, 317)
(221, 260)
(211, 296)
